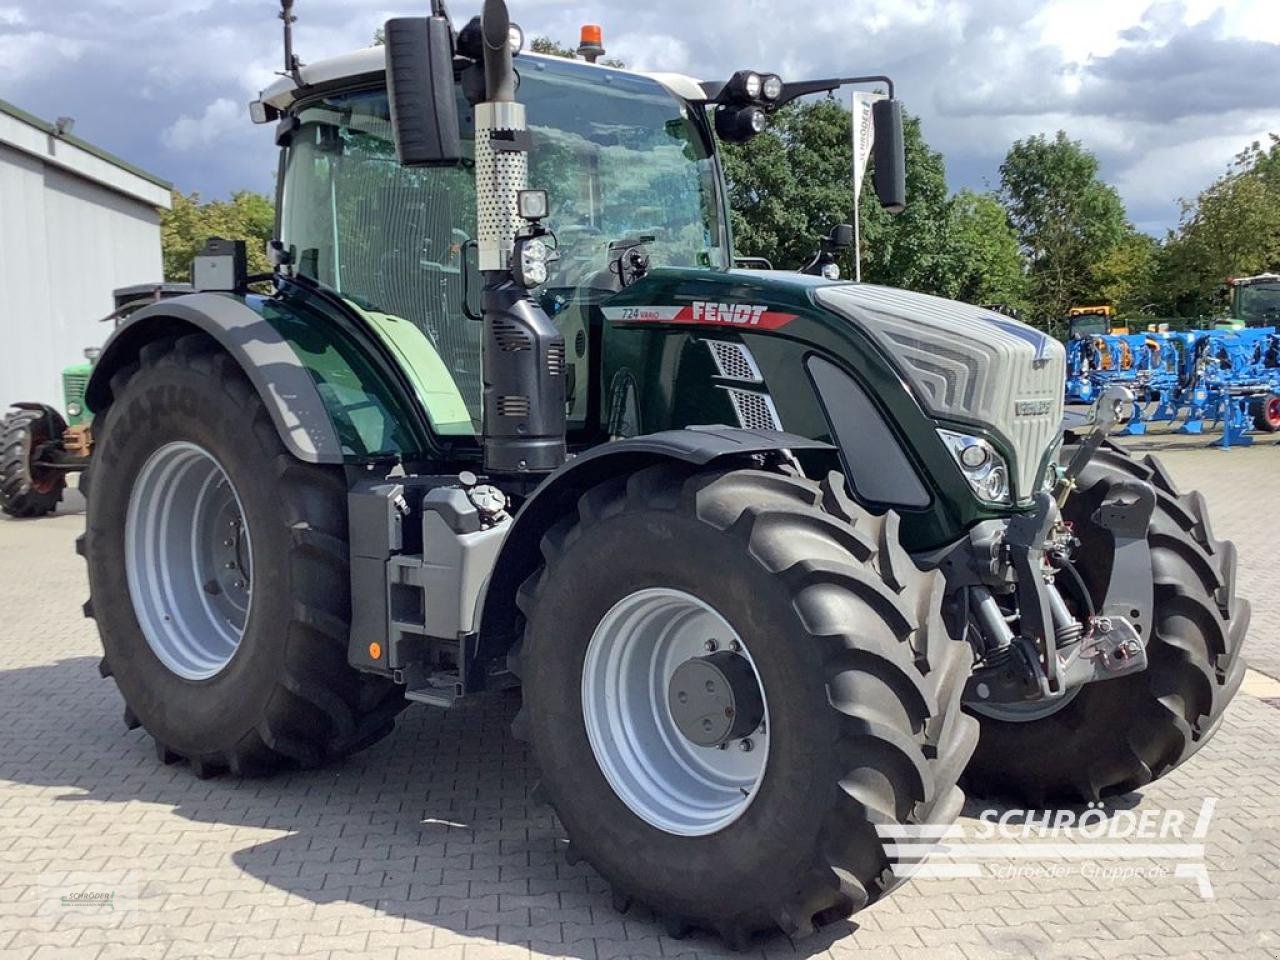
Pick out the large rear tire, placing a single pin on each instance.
(1117, 735)
(859, 680)
(218, 574)
(27, 490)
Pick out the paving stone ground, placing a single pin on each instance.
(429, 846)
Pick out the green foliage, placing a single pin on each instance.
(791, 184)
(1231, 229)
(984, 262)
(1067, 219)
(184, 229)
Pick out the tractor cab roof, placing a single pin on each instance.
(371, 62)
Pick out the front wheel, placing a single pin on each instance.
(218, 574)
(1117, 735)
(732, 678)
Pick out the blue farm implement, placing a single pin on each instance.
(1227, 377)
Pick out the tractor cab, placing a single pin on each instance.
(1093, 321)
(1255, 301)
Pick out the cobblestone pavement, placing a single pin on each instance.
(429, 846)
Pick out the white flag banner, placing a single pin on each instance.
(864, 137)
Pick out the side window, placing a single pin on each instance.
(389, 238)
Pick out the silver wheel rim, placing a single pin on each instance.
(187, 558)
(665, 779)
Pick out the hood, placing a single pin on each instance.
(967, 364)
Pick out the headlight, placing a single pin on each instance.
(982, 466)
(771, 86)
(831, 271)
(751, 85)
(531, 262)
(74, 409)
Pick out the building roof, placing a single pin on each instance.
(29, 134)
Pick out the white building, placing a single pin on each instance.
(75, 223)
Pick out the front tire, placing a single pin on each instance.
(859, 680)
(1118, 735)
(224, 622)
(26, 490)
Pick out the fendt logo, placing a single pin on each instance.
(703, 312)
(744, 313)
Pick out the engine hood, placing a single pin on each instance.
(966, 364)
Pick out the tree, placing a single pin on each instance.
(1231, 229)
(985, 264)
(791, 184)
(552, 48)
(1068, 220)
(184, 229)
(1126, 274)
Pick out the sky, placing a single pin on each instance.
(1165, 93)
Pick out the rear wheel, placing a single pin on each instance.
(1117, 735)
(1266, 414)
(26, 489)
(731, 678)
(218, 573)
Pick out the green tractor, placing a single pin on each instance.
(40, 446)
(34, 458)
(1254, 302)
(777, 560)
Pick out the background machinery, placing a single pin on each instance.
(776, 560)
(40, 445)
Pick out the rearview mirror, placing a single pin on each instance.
(890, 155)
(424, 106)
(841, 237)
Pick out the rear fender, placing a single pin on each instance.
(280, 378)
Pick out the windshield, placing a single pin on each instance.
(619, 156)
(1258, 304)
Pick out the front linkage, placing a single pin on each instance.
(1007, 574)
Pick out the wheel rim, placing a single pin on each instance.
(1273, 412)
(188, 560)
(1025, 712)
(663, 777)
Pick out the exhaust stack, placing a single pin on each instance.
(523, 353)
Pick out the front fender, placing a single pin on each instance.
(272, 366)
(555, 496)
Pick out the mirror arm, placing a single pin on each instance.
(802, 88)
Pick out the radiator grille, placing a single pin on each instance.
(734, 361)
(755, 410)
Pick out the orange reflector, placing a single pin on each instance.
(375, 651)
(592, 35)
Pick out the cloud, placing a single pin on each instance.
(220, 118)
(1165, 93)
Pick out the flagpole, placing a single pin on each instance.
(857, 241)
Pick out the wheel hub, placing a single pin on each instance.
(715, 699)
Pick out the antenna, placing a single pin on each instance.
(291, 61)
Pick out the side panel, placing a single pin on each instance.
(659, 335)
